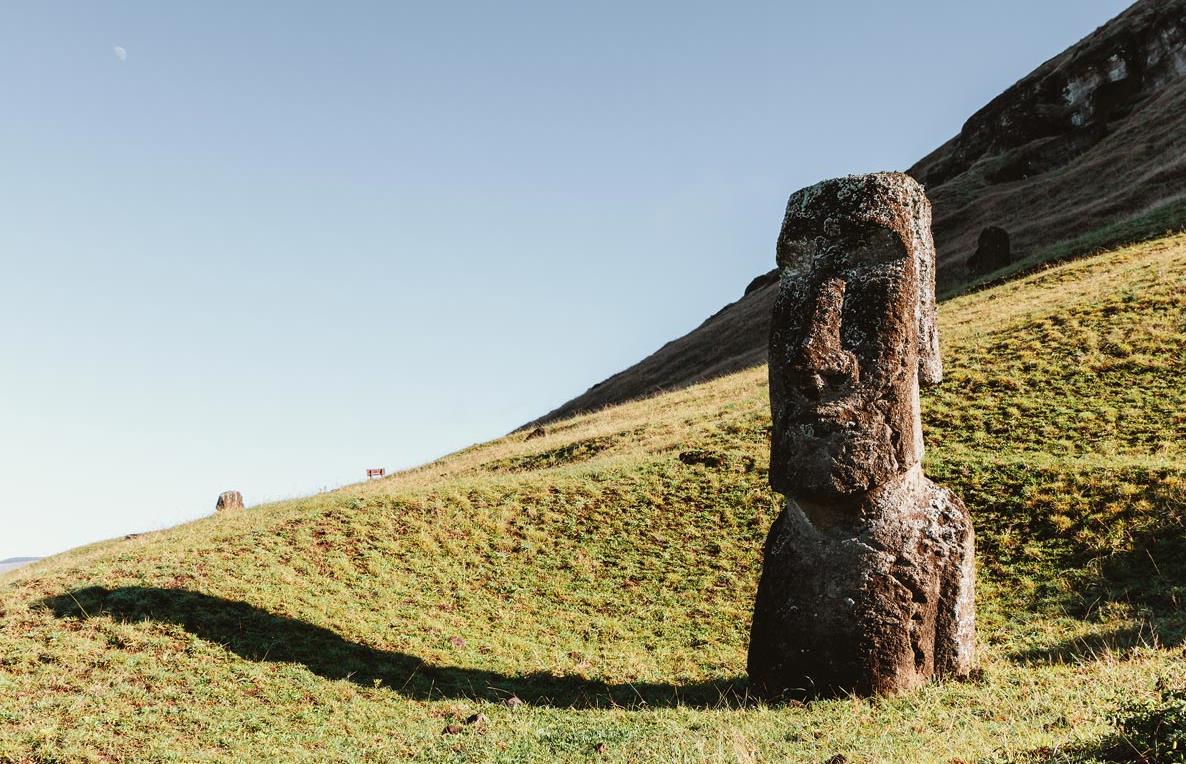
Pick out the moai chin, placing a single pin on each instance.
(867, 581)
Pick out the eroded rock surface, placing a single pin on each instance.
(867, 582)
(1071, 98)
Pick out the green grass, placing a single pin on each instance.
(607, 583)
(1166, 220)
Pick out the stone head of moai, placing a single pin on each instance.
(867, 579)
(853, 335)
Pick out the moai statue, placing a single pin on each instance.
(867, 583)
(228, 500)
(992, 251)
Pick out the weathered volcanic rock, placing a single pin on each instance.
(853, 332)
(1072, 97)
(992, 251)
(871, 598)
(867, 583)
(228, 500)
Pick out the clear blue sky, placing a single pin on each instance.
(279, 243)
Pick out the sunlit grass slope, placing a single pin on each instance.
(603, 575)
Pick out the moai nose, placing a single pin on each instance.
(826, 366)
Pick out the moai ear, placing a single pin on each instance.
(930, 363)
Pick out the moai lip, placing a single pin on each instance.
(867, 583)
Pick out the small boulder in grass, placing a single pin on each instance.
(229, 500)
(473, 720)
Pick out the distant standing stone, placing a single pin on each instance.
(229, 500)
(992, 251)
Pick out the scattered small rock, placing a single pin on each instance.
(228, 500)
(457, 642)
(513, 702)
(538, 432)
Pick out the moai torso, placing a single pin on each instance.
(867, 580)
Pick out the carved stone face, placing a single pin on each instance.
(853, 327)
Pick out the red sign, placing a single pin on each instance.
(376, 472)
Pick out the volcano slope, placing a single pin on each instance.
(1086, 151)
(604, 575)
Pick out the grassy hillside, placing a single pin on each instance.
(1064, 176)
(1047, 166)
(603, 576)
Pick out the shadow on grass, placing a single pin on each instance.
(258, 635)
(1114, 644)
(1146, 582)
(1108, 749)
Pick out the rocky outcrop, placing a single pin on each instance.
(1065, 106)
(1094, 135)
(867, 580)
